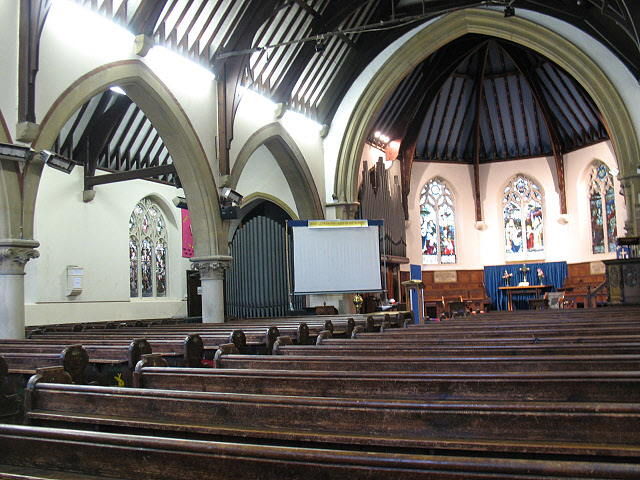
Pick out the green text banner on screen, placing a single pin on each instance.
(336, 256)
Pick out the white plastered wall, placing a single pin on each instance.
(255, 112)
(94, 236)
(69, 53)
(264, 176)
(477, 248)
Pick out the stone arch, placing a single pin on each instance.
(488, 22)
(10, 204)
(292, 163)
(252, 201)
(173, 125)
(167, 210)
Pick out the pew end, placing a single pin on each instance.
(224, 349)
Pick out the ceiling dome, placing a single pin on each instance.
(488, 99)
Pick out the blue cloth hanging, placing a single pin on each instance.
(554, 274)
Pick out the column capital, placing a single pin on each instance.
(212, 267)
(15, 253)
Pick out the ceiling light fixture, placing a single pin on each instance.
(57, 161)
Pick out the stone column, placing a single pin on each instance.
(14, 255)
(211, 279)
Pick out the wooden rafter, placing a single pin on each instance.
(32, 17)
(530, 77)
(230, 71)
(476, 154)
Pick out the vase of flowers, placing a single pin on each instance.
(540, 276)
(507, 277)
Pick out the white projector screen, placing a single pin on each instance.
(336, 256)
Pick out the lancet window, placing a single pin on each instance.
(602, 207)
(522, 210)
(147, 251)
(437, 223)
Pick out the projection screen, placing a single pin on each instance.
(336, 256)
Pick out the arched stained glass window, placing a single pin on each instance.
(147, 251)
(602, 207)
(522, 206)
(437, 223)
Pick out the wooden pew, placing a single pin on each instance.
(186, 351)
(11, 404)
(542, 428)
(85, 363)
(583, 386)
(28, 452)
(260, 338)
(228, 357)
(489, 348)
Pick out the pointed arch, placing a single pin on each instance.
(173, 125)
(10, 195)
(438, 222)
(292, 163)
(487, 22)
(522, 206)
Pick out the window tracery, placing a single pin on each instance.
(147, 251)
(602, 208)
(437, 223)
(522, 210)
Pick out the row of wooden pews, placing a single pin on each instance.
(106, 354)
(383, 404)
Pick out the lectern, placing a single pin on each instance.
(415, 287)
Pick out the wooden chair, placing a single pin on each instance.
(555, 299)
(454, 307)
(538, 303)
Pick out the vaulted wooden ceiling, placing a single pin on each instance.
(306, 54)
(485, 99)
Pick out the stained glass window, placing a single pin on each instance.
(602, 207)
(147, 251)
(133, 265)
(161, 269)
(437, 223)
(522, 206)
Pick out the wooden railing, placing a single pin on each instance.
(597, 297)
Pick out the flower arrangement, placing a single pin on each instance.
(540, 275)
(507, 277)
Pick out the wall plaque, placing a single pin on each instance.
(445, 276)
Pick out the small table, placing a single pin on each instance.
(537, 290)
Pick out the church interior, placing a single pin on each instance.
(319, 239)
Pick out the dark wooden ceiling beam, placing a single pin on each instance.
(320, 25)
(444, 62)
(524, 117)
(230, 71)
(517, 56)
(454, 121)
(141, 173)
(103, 120)
(496, 101)
(442, 132)
(510, 105)
(146, 17)
(479, 85)
(31, 22)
